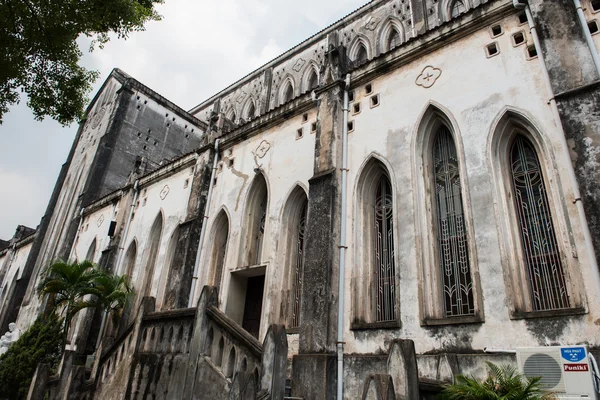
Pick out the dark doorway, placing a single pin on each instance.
(253, 305)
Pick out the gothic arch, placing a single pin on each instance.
(293, 223)
(170, 276)
(386, 35)
(254, 221)
(287, 90)
(450, 286)
(90, 255)
(231, 114)
(310, 77)
(151, 250)
(510, 126)
(250, 110)
(375, 276)
(219, 239)
(128, 263)
(452, 8)
(360, 51)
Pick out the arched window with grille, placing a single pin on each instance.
(539, 247)
(452, 242)
(294, 220)
(255, 220)
(383, 262)
(374, 276)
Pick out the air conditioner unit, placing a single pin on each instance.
(565, 370)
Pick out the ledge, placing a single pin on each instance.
(565, 312)
(359, 326)
(468, 319)
(227, 324)
(171, 314)
(292, 331)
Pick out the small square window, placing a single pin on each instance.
(144, 201)
(215, 181)
(186, 183)
(595, 5)
(374, 101)
(522, 18)
(531, 52)
(518, 38)
(299, 134)
(593, 26)
(368, 89)
(350, 126)
(230, 162)
(351, 96)
(496, 31)
(304, 118)
(356, 108)
(492, 49)
(313, 127)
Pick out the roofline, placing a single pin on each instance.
(300, 46)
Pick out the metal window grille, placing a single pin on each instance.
(452, 237)
(298, 267)
(385, 271)
(261, 230)
(538, 239)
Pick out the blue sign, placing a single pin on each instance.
(573, 354)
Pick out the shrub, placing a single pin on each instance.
(41, 343)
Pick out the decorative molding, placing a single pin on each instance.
(164, 192)
(299, 64)
(100, 220)
(428, 76)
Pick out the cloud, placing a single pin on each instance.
(198, 49)
(21, 195)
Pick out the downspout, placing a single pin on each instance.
(343, 247)
(136, 192)
(588, 35)
(519, 4)
(204, 223)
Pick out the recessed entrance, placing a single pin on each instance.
(253, 305)
(245, 298)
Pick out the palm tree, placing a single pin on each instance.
(502, 383)
(76, 286)
(67, 283)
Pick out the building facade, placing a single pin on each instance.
(456, 188)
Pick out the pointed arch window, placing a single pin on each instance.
(219, 248)
(375, 300)
(393, 39)
(457, 8)
(361, 54)
(251, 113)
(256, 214)
(288, 93)
(539, 247)
(313, 80)
(91, 253)
(452, 242)
(384, 267)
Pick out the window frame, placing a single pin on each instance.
(431, 288)
(364, 302)
(515, 269)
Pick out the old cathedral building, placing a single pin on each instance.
(405, 195)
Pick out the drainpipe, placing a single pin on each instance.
(204, 223)
(519, 4)
(343, 247)
(136, 191)
(588, 35)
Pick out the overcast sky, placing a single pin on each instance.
(199, 48)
